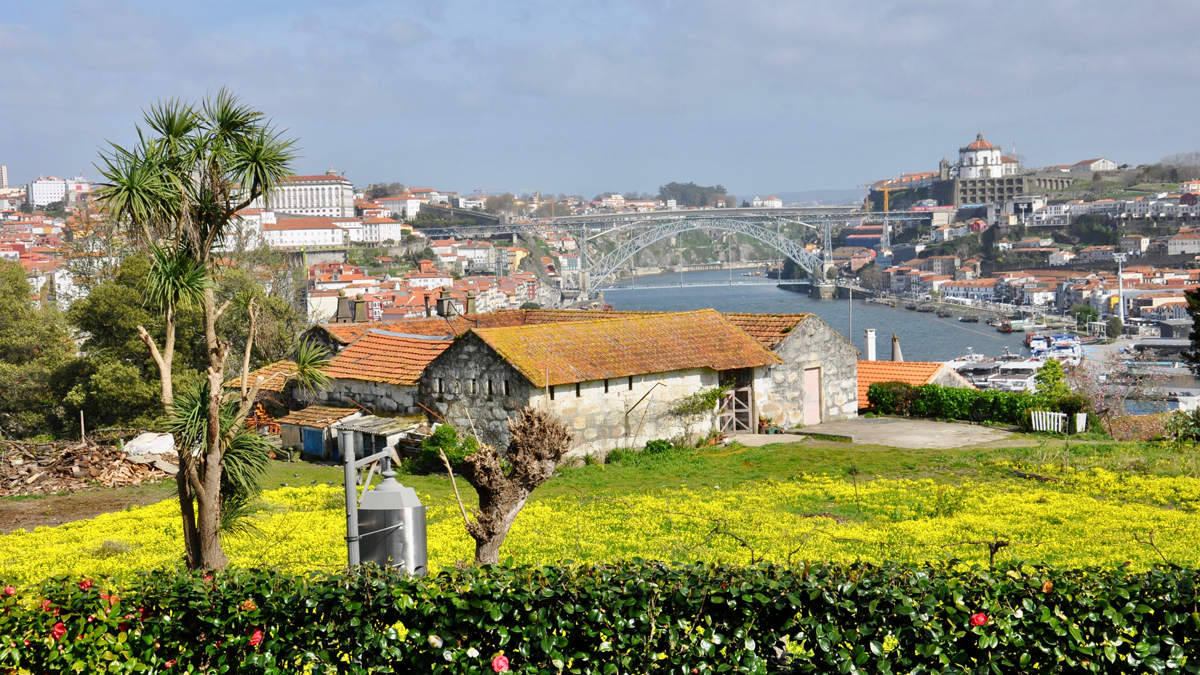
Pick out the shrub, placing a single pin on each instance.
(444, 438)
(889, 398)
(630, 617)
(949, 403)
(658, 446)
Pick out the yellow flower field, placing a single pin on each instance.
(1097, 519)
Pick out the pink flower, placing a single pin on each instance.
(85, 584)
(169, 663)
(979, 619)
(9, 590)
(58, 631)
(256, 638)
(500, 664)
(45, 605)
(208, 577)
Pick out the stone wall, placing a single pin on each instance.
(469, 385)
(812, 344)
(625, 417)
(378, 397)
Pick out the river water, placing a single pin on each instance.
(923, 337)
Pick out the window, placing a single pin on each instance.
(606, 386)
(506, 387)
(474, 387)
(577, 390)
(630, 383)
(440, 386)
(489, 388)
(551, 392)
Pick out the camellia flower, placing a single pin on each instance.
(45, 605)
(58, 631)
(85, 584)
(256, 637)
(9, 590)
(500, 664)
(169, 663)
(979, 619)
(472, 652)
(435, 641)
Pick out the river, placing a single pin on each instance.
(923, 337)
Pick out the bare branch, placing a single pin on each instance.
(158, 359)
(252, 310)
(450, 472)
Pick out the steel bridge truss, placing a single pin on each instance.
(605, 267)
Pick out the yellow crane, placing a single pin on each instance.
(887, 191)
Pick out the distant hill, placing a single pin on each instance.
(813, 197)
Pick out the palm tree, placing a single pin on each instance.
(177, 191)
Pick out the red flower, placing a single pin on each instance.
(979, 619)
(170, 663)
(9, 590)
(208, 577)
(256, 637)
(45, 605)
(143, 612)
(123, 627)
(58, 631)
(85, 584)
(500, 664)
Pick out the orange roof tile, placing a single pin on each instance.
(562, 353)
(768, 329)
(275, 377)
(909, 372)
(317, 416)
(383, 356)
(345, 333)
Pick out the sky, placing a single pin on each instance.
(583, 97)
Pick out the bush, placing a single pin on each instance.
(658, 446)
(631, 617)
(949, 403)
(445, 439)
(889, 398)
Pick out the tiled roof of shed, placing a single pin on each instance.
(383, 356)
(346, 333)
(654, 343)
(909, 372)
(274, 376)
(317, 416)
(768, 329)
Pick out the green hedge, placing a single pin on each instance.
(950, 403)
(633, 617)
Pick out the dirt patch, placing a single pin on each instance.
(50, 510)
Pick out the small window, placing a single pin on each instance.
(551, 392)
(630, 383)
(440, 386)
(489, 387)
(457, 386)
(577, 390)
(474, 386)
(506, 387)
(606, 386)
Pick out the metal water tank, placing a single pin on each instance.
(392, 520)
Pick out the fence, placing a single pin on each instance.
(1049, 421)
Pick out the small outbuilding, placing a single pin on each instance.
(313, 430)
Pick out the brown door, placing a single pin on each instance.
(812, 396)
(737, 407)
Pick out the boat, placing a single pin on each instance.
(969, 318)
(925, 309)
(944, 313)
(1005, 327)
(910, 306)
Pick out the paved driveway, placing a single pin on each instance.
(894, 432)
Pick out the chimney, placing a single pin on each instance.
(870, 344)
(428, 311)
(443, 303)
(344, 314)
(470, 302)
(360, 309)
(896, 355)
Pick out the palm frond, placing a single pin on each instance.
(311, 360)
(176, 279)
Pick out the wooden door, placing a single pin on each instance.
(812, 396)
(737, 407)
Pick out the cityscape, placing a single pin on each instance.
(884, 355)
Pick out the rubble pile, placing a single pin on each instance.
(46, 468)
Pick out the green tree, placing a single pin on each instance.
(1084, 314)
(500, 203)
(34, 342)
(1115, 327)
(690, 194)
(1051, 380)
(177, 191)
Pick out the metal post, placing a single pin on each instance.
(347, 443)
(1121, 286)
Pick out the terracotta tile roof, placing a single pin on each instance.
(345, 333)
(583, 351)
(909, 372)
(317, 416)
(383, 356)
(275, 377)
(768, 329)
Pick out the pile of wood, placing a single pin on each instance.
(47, 468)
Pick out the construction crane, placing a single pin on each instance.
(885, 240)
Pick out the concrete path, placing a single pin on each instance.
(759, 440)
(896, 432)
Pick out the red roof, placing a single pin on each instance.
(980, 144)
(384, 356)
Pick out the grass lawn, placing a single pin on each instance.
(1100, 503)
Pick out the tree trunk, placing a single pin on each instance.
(208, 497)
(489, 540)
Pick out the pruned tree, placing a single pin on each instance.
(537, 442)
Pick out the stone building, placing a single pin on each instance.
(380, 371)
(615, 380)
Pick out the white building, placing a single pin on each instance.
(380, 230)
(428, 279)
(479, 255)
(404, 207)
(297, 232)
(475, 202)
(768, 203)
(327, 196)
(43, 191)
(3, 177)
(1098, 164)
(1186, 242)
(980, 159)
